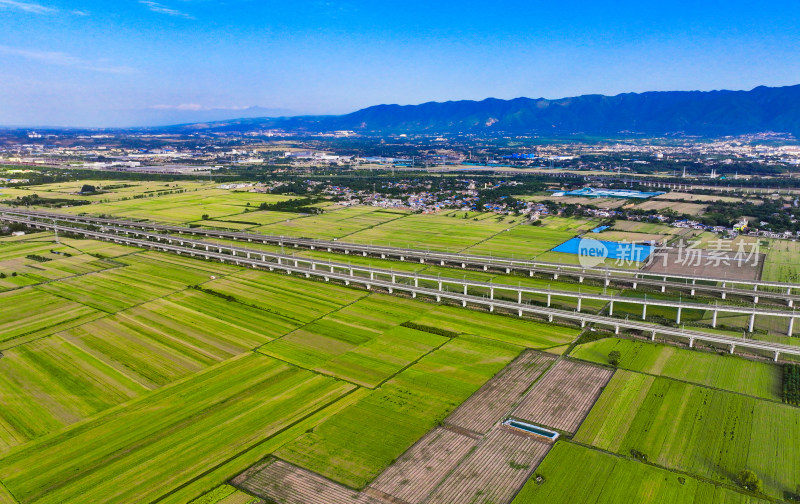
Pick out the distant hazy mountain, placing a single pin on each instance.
(710, 113)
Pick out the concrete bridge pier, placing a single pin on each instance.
(555, 276)
(519, 312)
(691, 342)
(692, 294)
(723, 295)
(616, 329)
(777, 354)
(464, 303)
(653, 336)
(714, 319)
(644, 312)
(463, 265)
(663, 288)
(548, 300)
(491, 292)
(413, 294)
(733, 348)
(752, 323)
(485, 268)
(519, 297)
(611, 309)
(383, 256)
(530, 273)
(791, 326)
(634, 285)
(678, 318)
(583, 323)
(550, 317)
(491, 308)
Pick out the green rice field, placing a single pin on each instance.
(706, 432)
(758, 379)
(139, 377)
(573, 473)
(356, 445)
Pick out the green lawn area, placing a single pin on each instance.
(759, 379)
(356, 445)
(709, 433)
(576, 474)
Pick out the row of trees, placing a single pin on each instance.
(791, 384)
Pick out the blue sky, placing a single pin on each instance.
(137, 62)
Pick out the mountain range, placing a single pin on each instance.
(695, 113)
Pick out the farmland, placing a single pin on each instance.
(724, 372)
(573, 473)
(140, 376)
(401, 411)
(709, 433)
(94, 462)
(563, 397)
(162, 344)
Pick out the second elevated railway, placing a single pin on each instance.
(752, 289)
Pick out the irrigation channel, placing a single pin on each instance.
(388, 280)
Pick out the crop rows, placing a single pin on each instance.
(363, 342)
(279, 481)
(414, 475)
(711, 433)
(494, 400)
(142, 450)
(52, 314)
(563, 397)
(354, 447)
(573, 473)
(494, 472)
(763, 379)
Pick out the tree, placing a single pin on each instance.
(88, 189)
(614, 357)
(204, 216)
(749, 481)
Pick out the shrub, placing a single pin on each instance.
(429, 329)
(614, 357)
(749, 480)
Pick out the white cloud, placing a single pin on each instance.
(33, 8)
(163, 9)
(64, 59)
